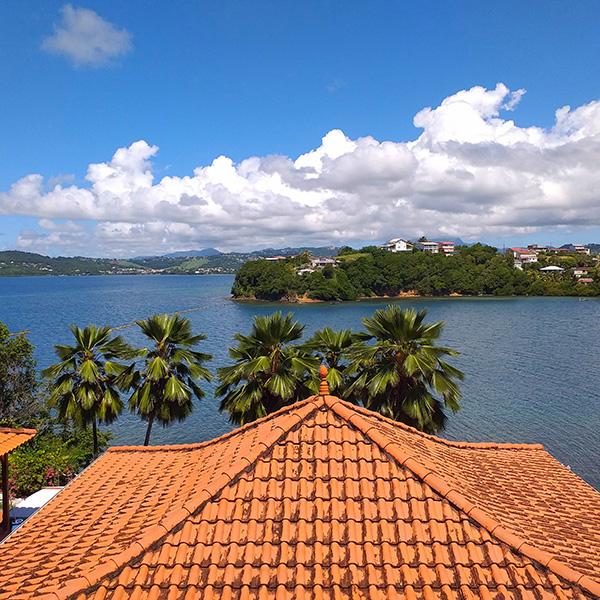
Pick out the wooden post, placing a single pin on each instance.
(5, 526)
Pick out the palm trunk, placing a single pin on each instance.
(95, 435)
(148, 429)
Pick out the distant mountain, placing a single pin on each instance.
(182, 254)
(193, 253)
(320, 251)
(455, 240)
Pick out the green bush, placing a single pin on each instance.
(52, 458)
(31, 470)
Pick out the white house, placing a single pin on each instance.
(523, 257)
(398, 245)
(322, 261)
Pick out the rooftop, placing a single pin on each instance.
(319, 500)
(13, 438)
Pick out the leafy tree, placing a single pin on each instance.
(269, 371)
(332, 348)
(86, 382)
(18, 383)
(402, 374)
(164, 390)
(265, 280)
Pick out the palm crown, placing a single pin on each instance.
(165, 388)
(403, 374)
(87, 380)
(332, 347)
(269, 371)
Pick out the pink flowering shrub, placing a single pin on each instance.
(31, 469)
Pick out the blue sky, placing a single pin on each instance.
(153, 93)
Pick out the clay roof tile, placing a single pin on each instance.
(320, 500)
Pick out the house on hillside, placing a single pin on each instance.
(522, 256)
(580, 249)
(537, 248)
(320, 500)
(318, 262)
(431, 247)
(397, 245)
(446, 248)
(581, 271)
(276, 258)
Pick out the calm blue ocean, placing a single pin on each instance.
(531, 363)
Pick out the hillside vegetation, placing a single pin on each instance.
(473, 271)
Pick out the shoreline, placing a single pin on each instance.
(306, 300)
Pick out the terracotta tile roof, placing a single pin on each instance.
(13, 438)
(320, 500)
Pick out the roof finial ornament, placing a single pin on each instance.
(323, 388)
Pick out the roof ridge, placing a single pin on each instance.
(17, 430)
(444, 441)
(233, 433)
(156, 532)
(426, 473)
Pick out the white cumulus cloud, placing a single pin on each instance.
(472, 172)
(86, 38)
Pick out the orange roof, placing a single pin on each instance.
(321, 500)
(13, 438)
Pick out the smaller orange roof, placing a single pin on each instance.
(13, 438)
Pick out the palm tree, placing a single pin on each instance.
(333, 347)
(164, 390)
(86, 381)
(402, 374)
(269, 371)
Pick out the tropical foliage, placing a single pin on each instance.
(53, 457)
(394, 367)
(164, 389)
(402, 373)
(332, 348)
(18, 382)
(86, 382)
(269, 372)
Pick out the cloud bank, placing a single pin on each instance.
(86, 38)
(471, 173)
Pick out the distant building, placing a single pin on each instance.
(523, 257)
(275, 258)
(446, 248)
(581, 271)
(398, 245)
(577, 248)
(551, 269)
(581, 249)
(585, 280)
(431, 247)
(322, 261)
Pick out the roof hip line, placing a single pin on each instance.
(455, 497)
(156, 532)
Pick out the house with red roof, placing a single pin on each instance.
(321, 500)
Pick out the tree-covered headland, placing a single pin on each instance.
(375, 272)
